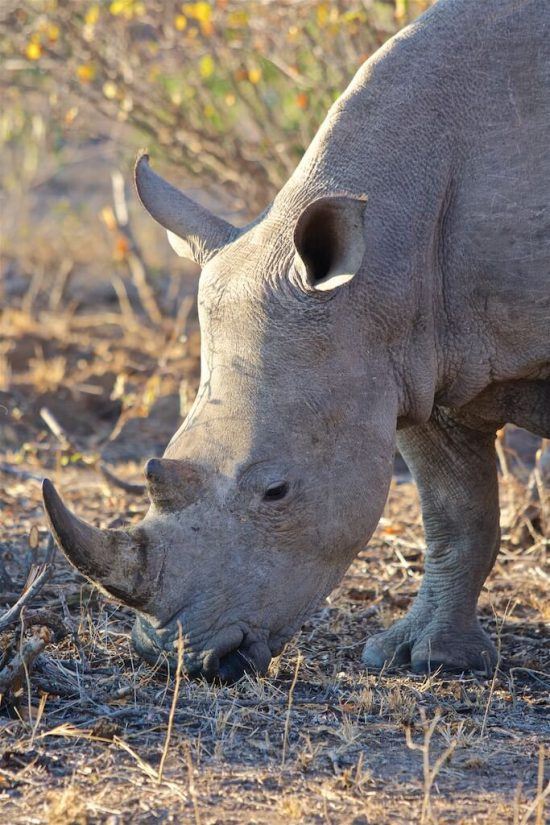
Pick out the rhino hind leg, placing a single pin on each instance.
(455, 471)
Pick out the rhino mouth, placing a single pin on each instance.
(158, 646)
(118, 562)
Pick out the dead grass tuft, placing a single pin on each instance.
(65, 807)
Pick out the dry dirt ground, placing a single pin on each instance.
(83, 728)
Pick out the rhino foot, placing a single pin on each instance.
(428, 646)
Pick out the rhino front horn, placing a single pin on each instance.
(114, 560)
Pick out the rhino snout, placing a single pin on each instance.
(232, 666)
(226, 660)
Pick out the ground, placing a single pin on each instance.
(319, 740)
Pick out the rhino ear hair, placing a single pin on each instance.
(193, 231)
(330, 241)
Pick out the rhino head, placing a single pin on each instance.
(280, 471)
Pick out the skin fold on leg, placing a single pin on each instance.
(456, 473)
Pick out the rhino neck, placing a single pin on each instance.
(376, 142)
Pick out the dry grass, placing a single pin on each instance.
(95, 735)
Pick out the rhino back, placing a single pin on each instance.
(446, 130)
(496, 242)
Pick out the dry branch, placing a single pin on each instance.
(12, 675)
(127, 486)
(18, 472)
(179, 667)
(134, 257)
(299, 660)
(38, 576)
(53, 424)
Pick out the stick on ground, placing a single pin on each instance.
(38, 576)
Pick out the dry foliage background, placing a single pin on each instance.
(98, 360)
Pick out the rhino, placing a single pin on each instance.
(396, 291)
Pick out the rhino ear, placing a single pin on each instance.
(330, 241)
(193, 231)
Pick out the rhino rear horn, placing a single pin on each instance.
(193, 231)
(173, 484)
(114, 560)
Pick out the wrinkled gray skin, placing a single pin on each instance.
(399, 285)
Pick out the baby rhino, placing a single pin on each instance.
(396, 290)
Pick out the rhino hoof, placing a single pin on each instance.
(425, 649)
(375, 658)
(484, 666)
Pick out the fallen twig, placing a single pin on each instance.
(430, 770)
(15, 671)
(179, 667)
(24, 475)
(538, 804)
(57, 292)
(45, 618)
(299, 660)
(127, 486)
(134, 258)
(53, 424)
(70, 625)
(38, 576)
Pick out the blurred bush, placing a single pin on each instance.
(232, 90)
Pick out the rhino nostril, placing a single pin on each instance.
(153, 469)
(233, 666)
(210, 666)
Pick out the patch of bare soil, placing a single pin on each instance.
(84, 725)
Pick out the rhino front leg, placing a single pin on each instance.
(455, 471)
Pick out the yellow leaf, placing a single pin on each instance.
(110, 89)
(237, 19)
(117, 7)
(121, 248)
(393, 530)
(352, 16)
(230, 99)
(203, 12)
(85, 72)
(206, 66)
(322, 14)
(127, 8)
(180, 22)
(255, 75)
(152, 389)
(108, 217)
(70, 115)
(293, 33)
(53, 32)
(33, 51)
(92, 15)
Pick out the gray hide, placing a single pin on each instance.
(396, 289)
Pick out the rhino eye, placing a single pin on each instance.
(276, 491)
